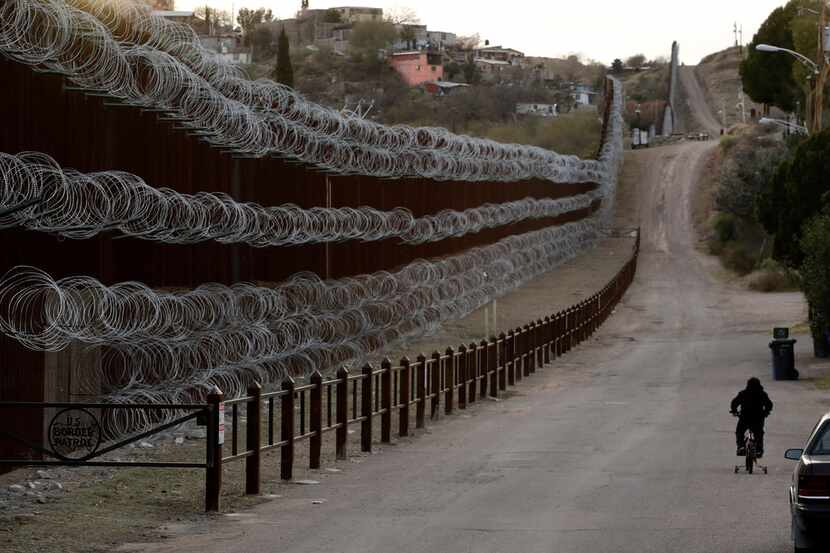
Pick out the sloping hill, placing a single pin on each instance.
(720, 79)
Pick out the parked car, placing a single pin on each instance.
(810, 490)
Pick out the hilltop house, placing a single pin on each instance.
(418, 67)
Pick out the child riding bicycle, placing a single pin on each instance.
(755, 406)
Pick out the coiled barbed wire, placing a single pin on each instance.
(171, 345)
(39, 195)
(166, 68)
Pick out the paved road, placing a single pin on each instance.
(624, 445)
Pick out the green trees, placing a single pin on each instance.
(368, 37)
(284, 72)
(815, 277)
(768, 77)
(617, 66)
(795, 195)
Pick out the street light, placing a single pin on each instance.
(819, 72)
(782, 123)
(801, 57)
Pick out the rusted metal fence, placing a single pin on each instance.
(455, 379)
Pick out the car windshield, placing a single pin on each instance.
(821, 443)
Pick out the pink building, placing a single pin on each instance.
(418, 67)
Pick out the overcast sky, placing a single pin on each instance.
(598, 29)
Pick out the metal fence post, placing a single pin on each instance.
(215, 438)
(254, 440)
(342, 432)
(436, 384)
(502, 353)
(493, 365)
(386, 401)
(287, 429)
(512, 354)
(421, 391)
(403, 409)
(449, 380)
(461, 370)
(472, 371)
(548, 340)
(484, 369)
(315, 442)
(366, 410)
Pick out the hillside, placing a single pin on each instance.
(719, 76)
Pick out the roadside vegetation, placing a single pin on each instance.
(772, 216)
(774, 189)
(748, 160)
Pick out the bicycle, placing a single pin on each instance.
(750, 453)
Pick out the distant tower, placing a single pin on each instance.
(735, 31)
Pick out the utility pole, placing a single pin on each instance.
(735, 32)
(821, 77)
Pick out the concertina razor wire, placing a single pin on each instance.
(119, 47)
(168, 346)
(39, 195)
(174, 346)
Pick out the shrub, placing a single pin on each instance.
(765, 281)
(715, 246)
(816, 272)
(726, 228)
(736, 258)
(775, 280)
(727, 142)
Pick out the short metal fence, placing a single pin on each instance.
(286, 418)
(453, 379)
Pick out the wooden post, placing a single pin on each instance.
(436, 384)
(386, 401)
(527, 350)
(287, 429)
(342, 409)
(512, 355)
(484, 368)
(366, 410)
(316, 420)
(420, 391)
(493, 362)
(254, 440)
(216, 437)
(449, 380)
(403, 409)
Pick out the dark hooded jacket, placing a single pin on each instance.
(754, 402)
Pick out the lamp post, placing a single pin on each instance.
(820, 67)
(820, 73)
(798, 129)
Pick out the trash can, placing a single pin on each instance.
(783, 360)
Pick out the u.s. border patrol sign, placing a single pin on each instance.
(74, 434)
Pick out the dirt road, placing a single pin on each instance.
(702, 112)
(624, 445)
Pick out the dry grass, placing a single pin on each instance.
(718, 73)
